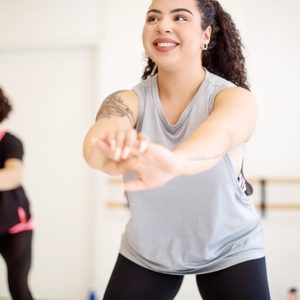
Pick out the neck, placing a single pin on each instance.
(179, 85)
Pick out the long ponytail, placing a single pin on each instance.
(224, 55)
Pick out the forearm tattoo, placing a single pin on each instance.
(114, 105)
(199, 158)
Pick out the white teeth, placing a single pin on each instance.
(166, 44)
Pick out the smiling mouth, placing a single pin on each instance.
(165, 45)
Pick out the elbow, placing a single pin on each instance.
(86, 151)
(91, 154)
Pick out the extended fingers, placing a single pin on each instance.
(120, 137)
(100, 144)
(143, 142)
(121, 143)
(125, 143)
(129, 142)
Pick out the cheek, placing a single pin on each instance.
(146, 33)
(146, 36)
(193, 38)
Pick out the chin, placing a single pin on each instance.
(166, 62)
(168, 68)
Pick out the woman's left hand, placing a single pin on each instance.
(155, 167)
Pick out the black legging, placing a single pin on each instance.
(244, 281)
(16, 251)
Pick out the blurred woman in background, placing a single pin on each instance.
(15, 217)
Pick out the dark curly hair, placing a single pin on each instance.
(224, 55)
(5, 106)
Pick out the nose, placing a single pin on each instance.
(164, 26)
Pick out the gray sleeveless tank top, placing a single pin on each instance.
(193, 224)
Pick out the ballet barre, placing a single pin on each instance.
(263, 182)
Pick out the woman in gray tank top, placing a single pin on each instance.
(178, 139)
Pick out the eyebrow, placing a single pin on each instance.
(172, 11)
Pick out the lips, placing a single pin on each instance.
(165, 45)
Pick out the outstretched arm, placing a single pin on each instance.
(230, 124)
(108, 142)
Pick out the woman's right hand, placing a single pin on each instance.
(118, 148)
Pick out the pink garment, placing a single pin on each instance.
(2, 134)
(23, 225)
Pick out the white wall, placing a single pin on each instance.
(272, 41)
(96, 47)
(47, 67)
(51, 115)
(40, 23)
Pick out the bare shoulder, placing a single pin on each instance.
(236, 98)
(235, 94)
(123, 103)
(236, 110)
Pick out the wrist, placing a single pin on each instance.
(181, 162)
